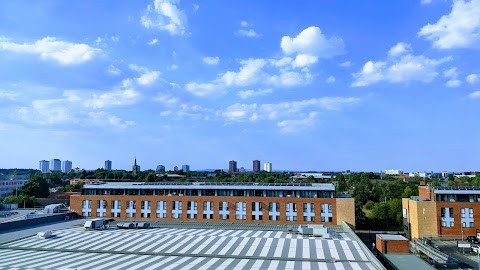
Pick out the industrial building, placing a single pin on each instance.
(191, 246)
(221, 202)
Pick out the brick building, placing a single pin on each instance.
(442, 211)
(230, 202)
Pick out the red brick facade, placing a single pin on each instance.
(392, 246)
(426, 192)
(76, 206)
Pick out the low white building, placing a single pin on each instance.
(394, 172)
(10, 183)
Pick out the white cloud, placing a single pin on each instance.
(303, 60)
(296, 125)
(105, 119)
(459, 29)
(196, 7)
(112, 70)
(472, 78)
(400, 69)
(9, 95)
(453, 83)
(346, 64)
(330, 79)
(203, 89)
(50, 48)
(425, 2)
(165, 15)
(247, 33)
(249, 73)
(451, 73)
(120, 97)
(287, 78)
(253, 112)
(400, 49)
(284, 61)
(46, 112)
(167, 99)
(311, 41)
(253, 93)
(211, 60)
(153, 41)
(147, 78)
(172, 67)
(474, 95)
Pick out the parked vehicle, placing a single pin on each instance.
(475, 249)
(45, 234)
(473, 239)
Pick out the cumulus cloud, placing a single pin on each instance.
(303, 60)
(203, 89)
(165, 15)
(474, 95)
(118, 97)
(46, 112)
(246, 30)
(50, 48)
(148, 77)
(105, 119)
(346, 64)
(452, 74)
(330, 79)
(400, 49)
(312, 41)
(402, 68)
(253, 93)
(472, 78)
(296, 125)
(153, 42)
(214, 60)
(459, 29)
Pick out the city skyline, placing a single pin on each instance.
(322, 85)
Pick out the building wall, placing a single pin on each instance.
(456, 230)
(426, 192)
(341, 208)
(393, 246)
(418, 223)
(85, 181)
(345, 210)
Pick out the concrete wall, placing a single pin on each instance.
(343, 207)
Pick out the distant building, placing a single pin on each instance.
(256, 166)
(242, 170)
(56, 165)
(393, 172)
(135, 167)
(175, 168)
(9, 184)
(232, 166)
(444, 174)
(44, 166)
(108, 165)
(185, 168)
(267, 166)
(67, 166)
(160, 168)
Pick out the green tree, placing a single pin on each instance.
(341, 183)
(37, 186)
(151, 177)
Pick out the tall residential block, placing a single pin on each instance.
(56, 165)
(232, 166)
(67, 166)
(44, 166)
(108, 165)
(160, 168)
(185, 168)
(256, 166)
(267, 167)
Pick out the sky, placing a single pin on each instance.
(306, 85)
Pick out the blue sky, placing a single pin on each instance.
(306, 85)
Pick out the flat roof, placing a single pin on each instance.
(403, 261)
(185, 248)
(391, 237)
(213, 185)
